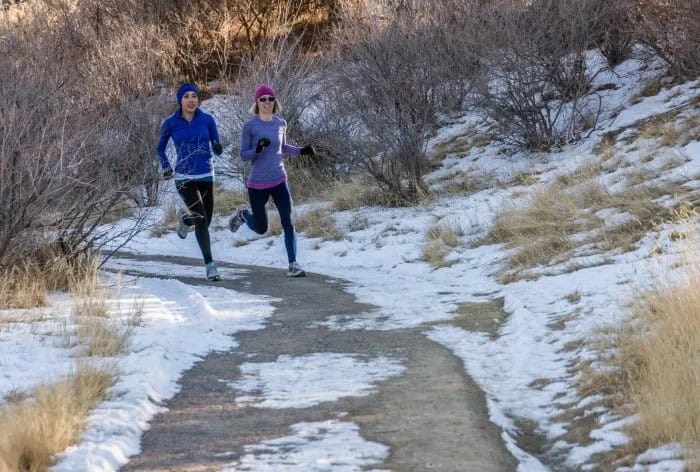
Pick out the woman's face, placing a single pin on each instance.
(266, 104)
(189, 102)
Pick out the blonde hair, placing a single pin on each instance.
(276, 108)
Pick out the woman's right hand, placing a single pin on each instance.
(167, 174)
(262, 143)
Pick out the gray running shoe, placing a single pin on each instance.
(212, 273)
(295, 270)
(182, 227)
(237, 220)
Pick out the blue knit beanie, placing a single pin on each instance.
(184, 89)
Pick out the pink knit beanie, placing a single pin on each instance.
(264, 90)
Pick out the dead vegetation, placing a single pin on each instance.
(653, 371)
(441, 239)
(318, 223)
(38, 426)
(556, 220)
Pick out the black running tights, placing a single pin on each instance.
(199, 197)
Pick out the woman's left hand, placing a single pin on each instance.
(307, 150)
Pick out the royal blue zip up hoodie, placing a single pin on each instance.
(191, 141)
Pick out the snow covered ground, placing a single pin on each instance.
(525, 370)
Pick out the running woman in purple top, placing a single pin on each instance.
(264, 145)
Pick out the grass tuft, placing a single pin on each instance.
(356, 193)
(102, 338)
(35, 429)
(441, 239)
(168, 225)
(26, 283)
(541, 229)
(226, 202)
(319, 223)
(654, 372)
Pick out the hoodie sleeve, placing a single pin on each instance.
(165, 134)
(213, 132)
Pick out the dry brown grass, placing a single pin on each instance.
(37, 428)
(89, 297)
(309, 180)
(318, 223)
(663, 128)
(21, 288)
(356, 193)
(541, 229)
(99, 337)
(124, 210)
(168, 225)
(605, 146)
(449, 233)
(226, 202)
(652, 87)
(655, 368)
(441, 239)
(459, 144)
(26, 284)
(586, 171)
(482, 139)
(97, 333)
(645, 212)
(591, 194)
(689, 129)
(274, 225)
(435, 253)
(525, 178)
(465, 182)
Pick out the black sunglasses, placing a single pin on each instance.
(266, 99)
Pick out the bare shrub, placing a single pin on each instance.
(537, 76)
(616, 38)
(386, 86)
(672, 29)
(68, 157)
(213, 37)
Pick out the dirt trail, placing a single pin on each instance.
(432, 416)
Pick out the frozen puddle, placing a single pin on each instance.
(302, 382)
(314, 447)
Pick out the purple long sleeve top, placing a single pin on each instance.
(268, 166)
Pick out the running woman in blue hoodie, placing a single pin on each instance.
(264, 145)
(192, 131)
